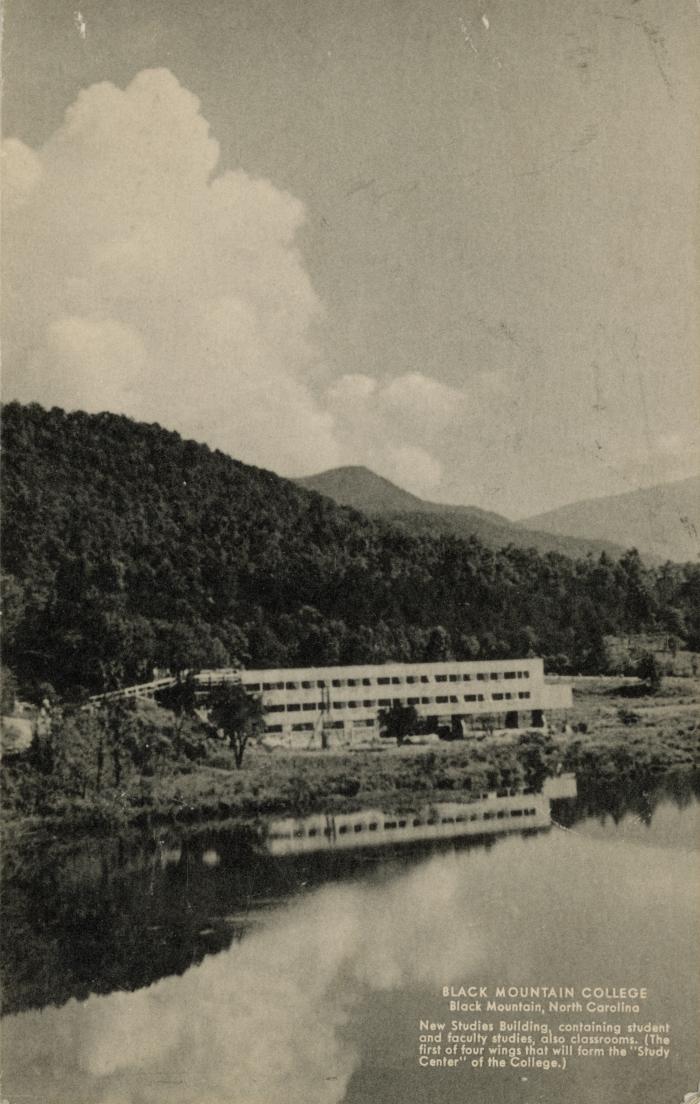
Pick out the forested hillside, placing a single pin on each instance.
(127, 548)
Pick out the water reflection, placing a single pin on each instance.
(264, 1022)
(320, 1003)
(119, 914)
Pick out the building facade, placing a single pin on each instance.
(328, 706)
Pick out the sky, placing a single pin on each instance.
(453, 241)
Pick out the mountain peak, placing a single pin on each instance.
(357, 486)
(364, 490)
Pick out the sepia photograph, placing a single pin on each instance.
(350, 548)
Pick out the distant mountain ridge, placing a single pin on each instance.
(663, 520)
(372, 494)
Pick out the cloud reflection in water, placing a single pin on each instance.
(262, 1023)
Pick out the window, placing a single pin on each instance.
(267, 686)
(383, 681)
(389, 823)
(352, 682)
(510, 674)
(482, 676)
(353, 705)
(273, 728)
(385, 701)
(313, 832)
(337, 682)
(359, 827)
(402, 824)
(454, 678)
(337, 724)
(413, 701)
(440, 700)
(275, 709)
(454, 698)
(425, 678)
(309, 705)
(479, 697)
(466, 678)
(410, 679)
(494, 675)
(291, 685)
(254, 686)
(338, 705)
(293, 707)
(497, 697)
(508, 696)
(441, 678)
(366, 682)
(321, 684)
(369, 723)
(523, 693)
(396, 681)
(369, 704)
(305, 726)
(470, 697)
(426, 701)
(307, 686)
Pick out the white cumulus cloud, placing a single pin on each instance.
(138, 281)
(141, 279)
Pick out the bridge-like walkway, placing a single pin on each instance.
(149, 690)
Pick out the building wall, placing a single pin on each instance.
(343, 702)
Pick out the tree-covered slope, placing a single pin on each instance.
(126, 548)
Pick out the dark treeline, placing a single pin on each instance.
(126, 548)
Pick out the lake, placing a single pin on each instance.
(199, 969)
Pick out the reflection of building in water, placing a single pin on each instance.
(319, 706)
(492, 814)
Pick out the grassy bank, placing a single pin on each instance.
(618, 735)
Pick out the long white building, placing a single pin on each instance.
(326, 706)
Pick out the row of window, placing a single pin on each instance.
(441, 699)
(416, 822)
(308, 726)
(386, 680)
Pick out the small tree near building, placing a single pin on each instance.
(649, 671)
(398, 721)
(238, 715)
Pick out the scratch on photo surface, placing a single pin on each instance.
(80, 24)
(655, 41)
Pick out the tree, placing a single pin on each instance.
(118, 723)
(649, 671)
(8, 690)
(237, 714)
(398, 721)
(535, 752)
(181, 698)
